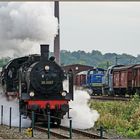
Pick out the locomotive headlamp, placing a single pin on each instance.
(47, 67)
(32, 94)
(64, 93)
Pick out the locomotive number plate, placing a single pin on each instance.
(46, 82)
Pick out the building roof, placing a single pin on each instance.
(76, 68)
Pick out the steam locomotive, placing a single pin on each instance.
(37, 81)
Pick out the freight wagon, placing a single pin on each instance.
(136, 78)
(80, 79)
(122, 80)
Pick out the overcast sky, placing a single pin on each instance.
(104, 26)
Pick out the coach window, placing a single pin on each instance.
(91, 72)
(100, 72)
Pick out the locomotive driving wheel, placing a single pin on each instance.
(56, 122)
(56, 118)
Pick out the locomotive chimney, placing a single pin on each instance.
(44, 48)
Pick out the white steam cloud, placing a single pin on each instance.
(15, 113)
(24, 25)
(82, 116)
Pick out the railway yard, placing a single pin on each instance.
(55, 133)
(110, 110)
(41, 132)
(66, 94)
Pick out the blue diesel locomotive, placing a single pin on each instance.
(95, 80)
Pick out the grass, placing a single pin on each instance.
(123, 117)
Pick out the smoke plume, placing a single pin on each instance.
(82, 116)
(24, 25)
(14, 104)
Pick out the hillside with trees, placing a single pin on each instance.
(93, 58)
(96, 58)
(4, 60)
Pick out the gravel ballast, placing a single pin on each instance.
(13, 133)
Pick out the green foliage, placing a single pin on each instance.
(131, 134)
(93, 58)
(124, 117)
(96, 58)
(4, 61)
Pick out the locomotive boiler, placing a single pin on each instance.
(37, 81)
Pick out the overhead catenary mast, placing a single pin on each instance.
(57, 38)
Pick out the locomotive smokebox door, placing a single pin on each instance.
(44, 48)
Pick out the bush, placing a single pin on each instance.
(131, 134)
(124, 117)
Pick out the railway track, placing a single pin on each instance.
(52, 132)
(63, 133)
(109, 98)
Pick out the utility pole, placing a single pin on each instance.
(107, 64)
(57, 38)
(116, 60)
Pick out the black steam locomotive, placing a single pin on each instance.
(37, 81)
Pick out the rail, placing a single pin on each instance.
(59, 133)
(54, 133)
(110, 98)
(84, 133)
